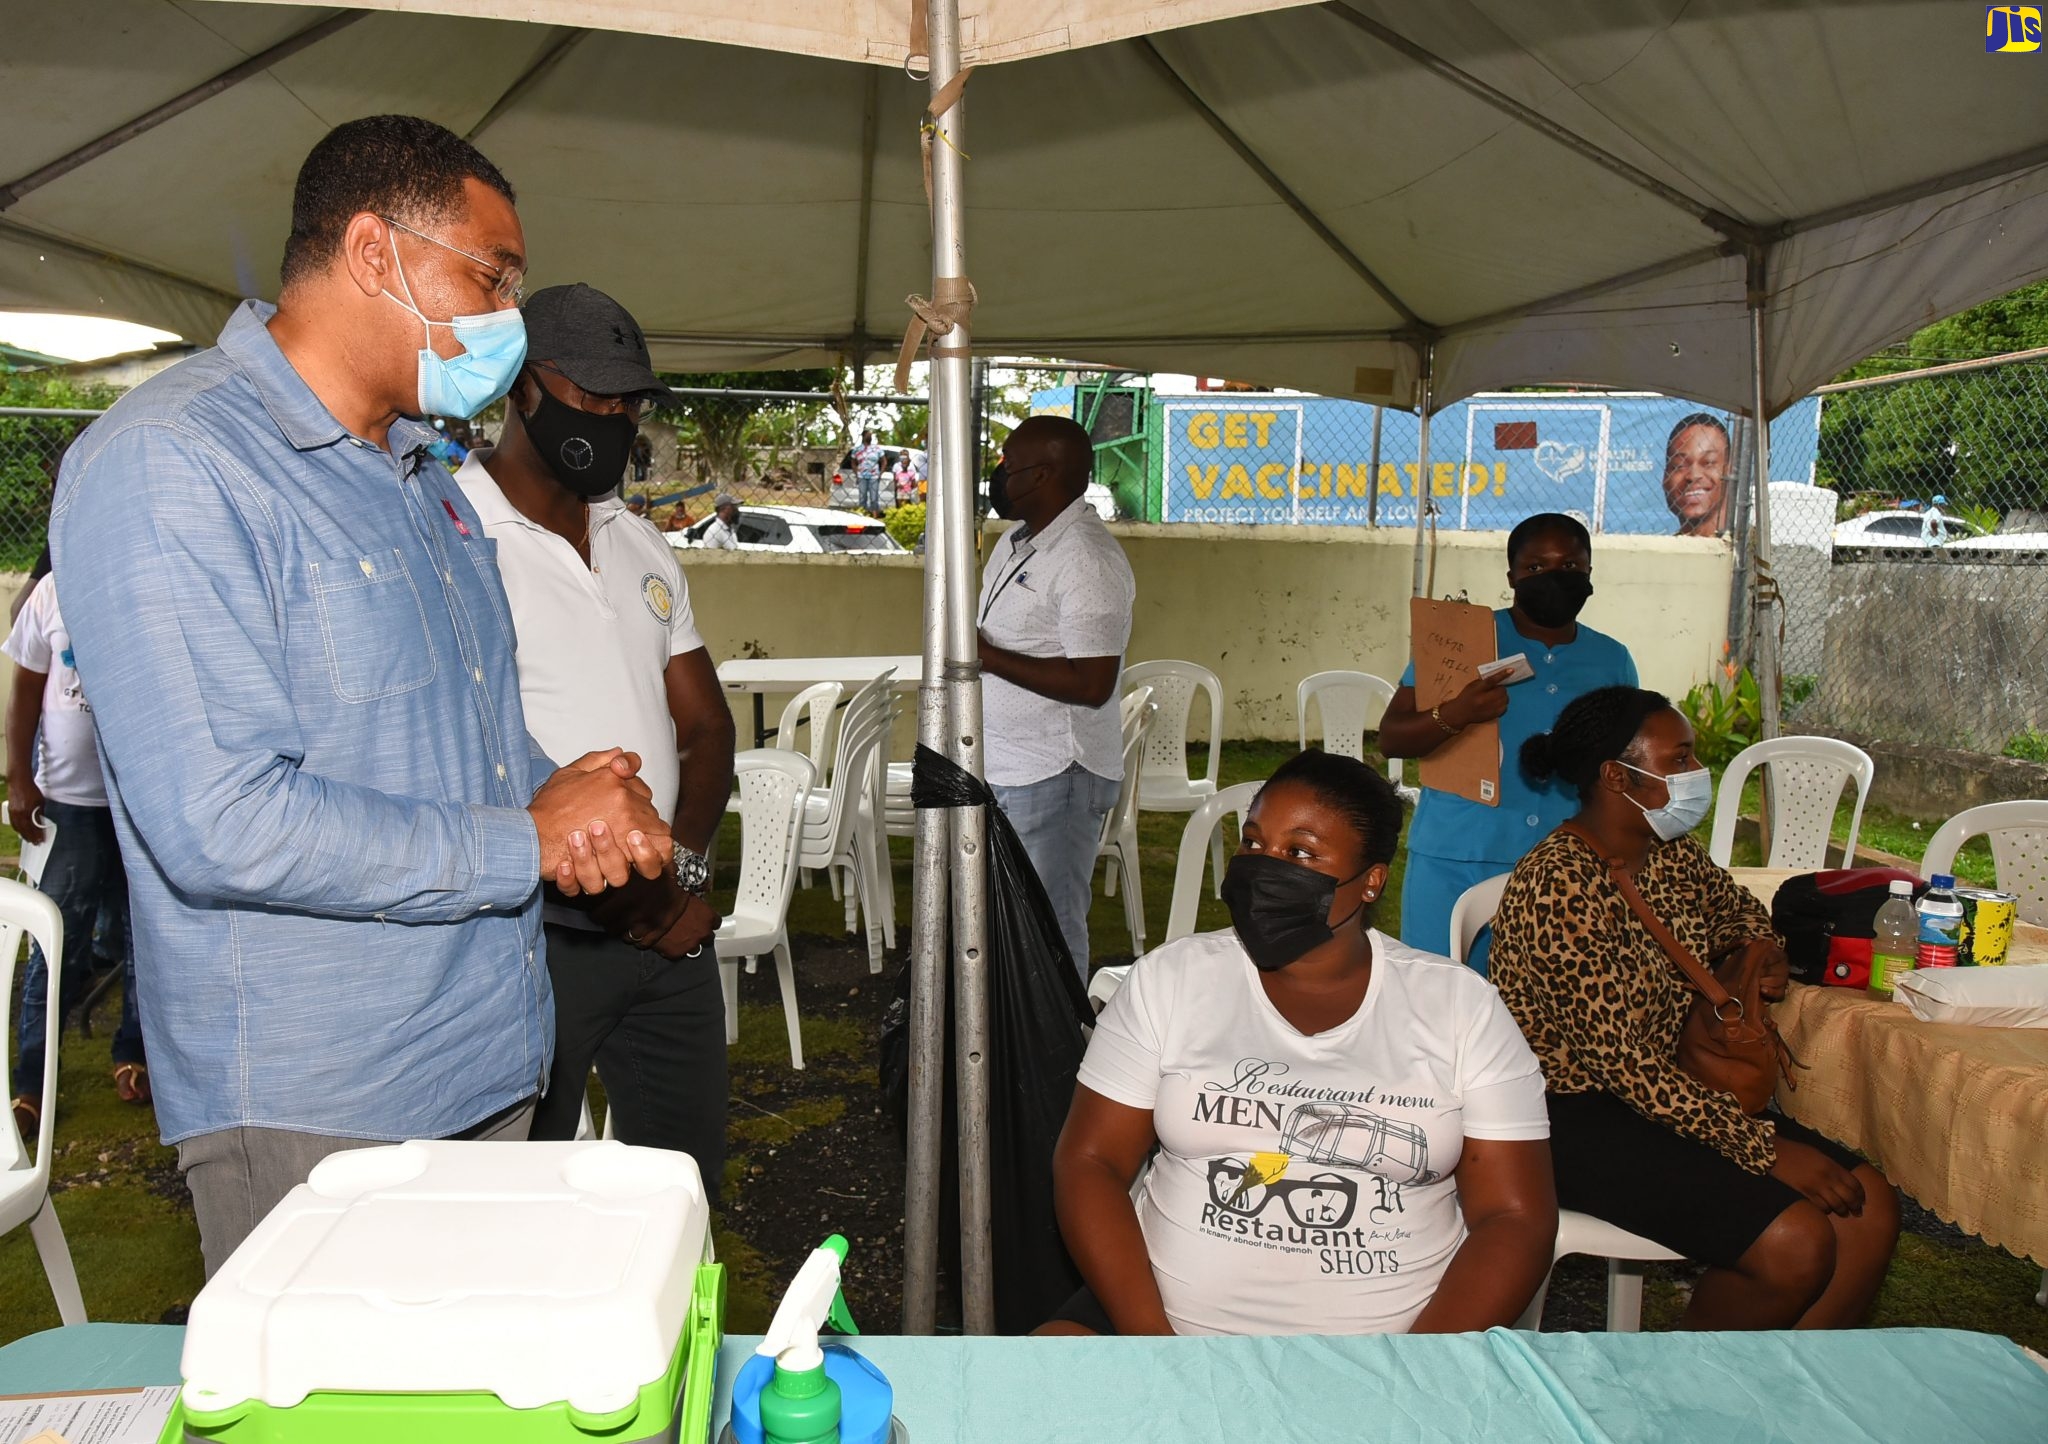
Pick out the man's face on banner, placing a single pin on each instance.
(1696, 480)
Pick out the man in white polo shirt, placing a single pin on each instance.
(1055, 617)
(607, 646)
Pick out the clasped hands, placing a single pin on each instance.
(599, 834)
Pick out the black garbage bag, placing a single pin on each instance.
(1037, 1011)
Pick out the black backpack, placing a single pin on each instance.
(1828, 920)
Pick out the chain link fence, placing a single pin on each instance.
(32, 443)
(1909, 513)
(1914, 568)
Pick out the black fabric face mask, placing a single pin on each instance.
(1554, 599)
(1280, 909)
(586, 453)
(999, 492)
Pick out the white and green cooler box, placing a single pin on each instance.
(465, 1293)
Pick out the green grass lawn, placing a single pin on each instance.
(137, 1250)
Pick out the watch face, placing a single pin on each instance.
(692, 870)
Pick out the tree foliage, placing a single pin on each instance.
(1980, 438)
(725, 432)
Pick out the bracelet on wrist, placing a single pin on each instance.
(1436, 715)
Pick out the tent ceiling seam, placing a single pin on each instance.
(27, 235)
(546, 61)
(1271, 179)
(1713, 218)
(177, 105)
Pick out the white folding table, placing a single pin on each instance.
(786, 676)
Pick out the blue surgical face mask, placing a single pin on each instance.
(1691, 797)
(493, 350)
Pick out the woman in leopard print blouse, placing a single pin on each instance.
(1795, 1229)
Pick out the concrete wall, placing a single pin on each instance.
(1934, 651)
(1933, 784)
(1262, 607)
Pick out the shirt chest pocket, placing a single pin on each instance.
(372, 625)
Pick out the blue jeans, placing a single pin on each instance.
(1430, 888)
(84, 874)
(1059, 821)
(871, 493)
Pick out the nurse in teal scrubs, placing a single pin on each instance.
(1454, 842)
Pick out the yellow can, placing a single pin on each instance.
(1988, 918)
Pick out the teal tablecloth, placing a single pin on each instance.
(1927, 1386)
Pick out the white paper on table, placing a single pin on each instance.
(102, 1416)
(2003, 997)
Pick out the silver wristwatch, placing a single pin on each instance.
(693, 871)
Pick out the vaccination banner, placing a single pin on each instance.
(1621, 463)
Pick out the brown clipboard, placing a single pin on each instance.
(1448, 641)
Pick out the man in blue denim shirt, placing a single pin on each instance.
(301, 663)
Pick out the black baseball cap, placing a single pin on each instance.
(591, 339)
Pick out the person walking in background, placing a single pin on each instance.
(54, 781)
(723, 534)
(866, 461)
(903, 480)
(1455, 842)
(300, 660)
(643, 457)
(1055, 617)
(608, 648)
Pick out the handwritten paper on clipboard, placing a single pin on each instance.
(1449, 640)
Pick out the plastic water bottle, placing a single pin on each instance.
(1941, 924)
(1898, 940)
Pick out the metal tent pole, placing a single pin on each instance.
(1425, 550)
(923, 1154)
(953, 419)
(1764, 587)
(1372, 495)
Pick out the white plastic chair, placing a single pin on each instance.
(2019, 849)
(1806, 776)
(1625, 1253)
(774, 786)
(25, 1183)
(815, 705)
(1349, 705)
(843, 820)
(1163, 781)
(1119, 840)
(1202, 836)
(1474, 909)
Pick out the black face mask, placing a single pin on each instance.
(586, 453)
(1281, 910)
(1553, 599)
(999, 492)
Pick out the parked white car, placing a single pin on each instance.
(805, 530)
(1904, 529)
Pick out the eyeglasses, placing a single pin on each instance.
(508, 282)
(1324, 1201)
(633, 408)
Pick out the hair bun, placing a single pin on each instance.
(1539, 756)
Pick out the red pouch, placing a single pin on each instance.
(1848, 964)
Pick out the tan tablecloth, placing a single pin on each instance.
(1957, 1117)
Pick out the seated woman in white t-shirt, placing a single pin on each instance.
(1351, 1134)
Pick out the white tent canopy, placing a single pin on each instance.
(1282, 193)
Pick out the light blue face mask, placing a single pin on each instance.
(1691, 797)
(493, 350)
